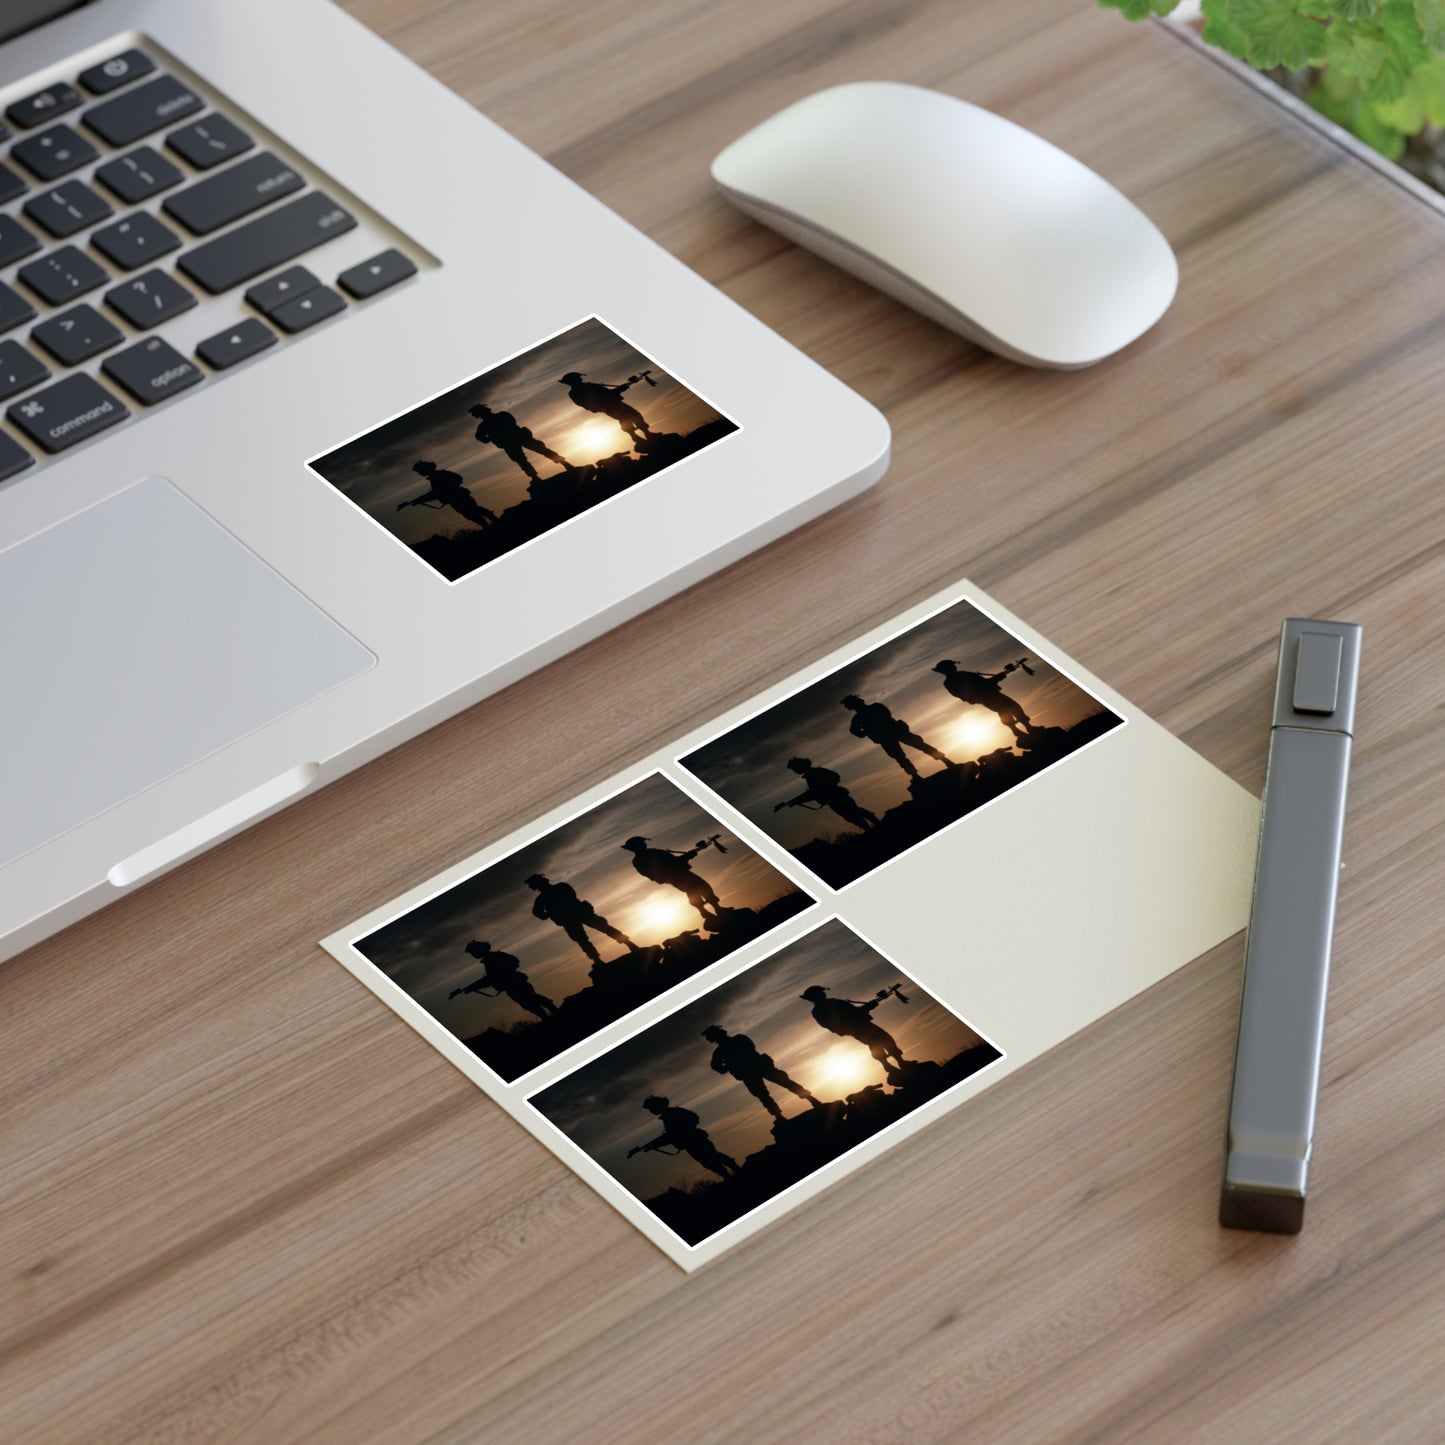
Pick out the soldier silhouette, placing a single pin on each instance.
(502, 972)
(825, 788)
(670, 868)
(982, 688)
(448, 490)
(559, 903)
(682, 1130)
(503, 431)
(600, 396)
(855, 1021)
(872, 720)
(738, 1055)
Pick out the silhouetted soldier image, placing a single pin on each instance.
(738, 1055)
(872, 720)
(600, 396)
(448, 490)
(982, 688)
(682, 1132)
(825, 790)
(670, 868)
(503, 431)
(503, 974)
(855, 1021)
(559, 903)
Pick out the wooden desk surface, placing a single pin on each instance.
(242, 1201)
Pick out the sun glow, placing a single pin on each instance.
(845, 1068)
(978, 732)
(662, 916)
(600, 437)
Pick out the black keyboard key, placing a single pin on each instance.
(19, 369)
(235, 344)
(10, 185)
(149, 299)
(14, 308)
(62, 275)
(235, 192)
(13, 457)
(152, 370)
(77, 335)
(53, 153)
(135, 241)
(140, 111)
(266, 242)
(307, 310)
(119, 70)
(139, 175)
(44, 105)
(208, 142)
(70, 207)
(285, 286)
(75, 408)
(15, 241)
(376, 274)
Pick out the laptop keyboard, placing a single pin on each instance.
(128, 201)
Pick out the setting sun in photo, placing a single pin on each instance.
(978, 732)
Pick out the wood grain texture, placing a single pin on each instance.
(243, 1202)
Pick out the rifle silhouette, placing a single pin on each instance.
(896, 989)
(642, 376)
(811, 804)
(659, 1146)
(432, 503)
(476, 986)
(1023, 663)
(711, 842)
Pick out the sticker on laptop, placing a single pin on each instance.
(862, 765)
(764, 1081)
(522, 449)
(579, 927)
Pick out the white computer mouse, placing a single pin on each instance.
(972, 220)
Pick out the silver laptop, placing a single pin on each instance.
(326, 410)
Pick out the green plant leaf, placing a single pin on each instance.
(1357, 9)
(1377, 134)
(1428, 81)
(1140, 9)
(1275, 33)
(1401, 29)
(1220, 30)
(1406, 115)
(1431, 17)
(1355, 56)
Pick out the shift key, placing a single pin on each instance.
(232, 193)
(266, 242)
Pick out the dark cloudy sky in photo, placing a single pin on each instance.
(375, 470)
(423, 951)
(748, 766)
(600, 1105)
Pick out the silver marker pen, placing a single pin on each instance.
(1291, 925)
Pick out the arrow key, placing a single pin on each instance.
(307, 310)
(376, 274)
(235, 344)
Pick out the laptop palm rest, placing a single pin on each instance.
(137, 638)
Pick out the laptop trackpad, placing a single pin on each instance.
(136, 639)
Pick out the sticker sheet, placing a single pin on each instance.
(730, 975)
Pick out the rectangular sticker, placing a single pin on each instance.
(868, 761)
(764, 1081)
(519, 450)
(581, 926)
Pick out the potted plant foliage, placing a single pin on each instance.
(1374, 67)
